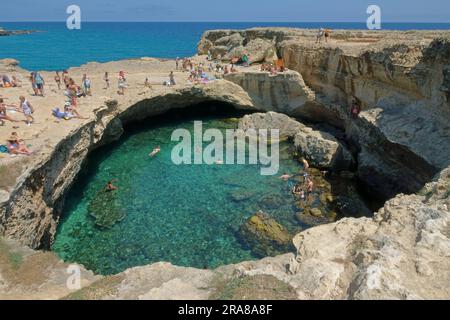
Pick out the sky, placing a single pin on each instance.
(226, 10)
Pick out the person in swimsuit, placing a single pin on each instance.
(3, 115)
(298, 191)
(309, 185)
(155, 151)
(17, 145)
(33, 84)
(39, 82)
(106, 79)
(58, 80)
(72, 112)
(27, 109)
(122, 83)
(305, 165)
(285, 177)
(86, 83)
(172, 79)
(110, 186)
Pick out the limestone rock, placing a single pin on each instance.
(320, 148)
(9, 62)
(105, 209)
(285, 92)
(265, 236)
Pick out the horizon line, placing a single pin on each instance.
(93, 21)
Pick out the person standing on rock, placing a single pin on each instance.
(327, 34)
(106, 79)
(40, 83)
(121, 83)
(319, 35)
(172, 79)
(33, 83)
(305, 165)
(27, 109)
(309, 185)
(58, 80)
(86, 85)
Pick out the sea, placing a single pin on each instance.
(55, 47)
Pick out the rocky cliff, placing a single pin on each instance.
(401, 253)
(400, 79)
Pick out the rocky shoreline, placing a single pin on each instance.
(398, 144)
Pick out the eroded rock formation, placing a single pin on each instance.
(400, 139)
(320, 148)
(399, 78)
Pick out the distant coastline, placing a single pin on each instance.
(61, 48)
(4, 32)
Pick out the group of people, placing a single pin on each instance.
(8, 82)
(110, 185)
(323, 33)
(24, 107)
(272, 68)
(302, 190)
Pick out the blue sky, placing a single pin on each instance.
(227, 10)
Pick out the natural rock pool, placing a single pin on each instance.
(189, 215)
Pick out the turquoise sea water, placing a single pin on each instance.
(188, 215)
(57, 48)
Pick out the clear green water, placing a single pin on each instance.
(185, 214)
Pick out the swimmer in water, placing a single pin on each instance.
(155, 151)
(110, 186)
(286, 177)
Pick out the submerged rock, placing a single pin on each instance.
(241, 194)
(106, 209)
(265, 236)
(310, 220)
(272, 201)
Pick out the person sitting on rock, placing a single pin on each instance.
(355, 109)
(17, 145)
(3, 115)
(297, 190)
(71, 111)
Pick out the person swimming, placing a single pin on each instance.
(110, 186)
(286, 177)
(155, 151)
